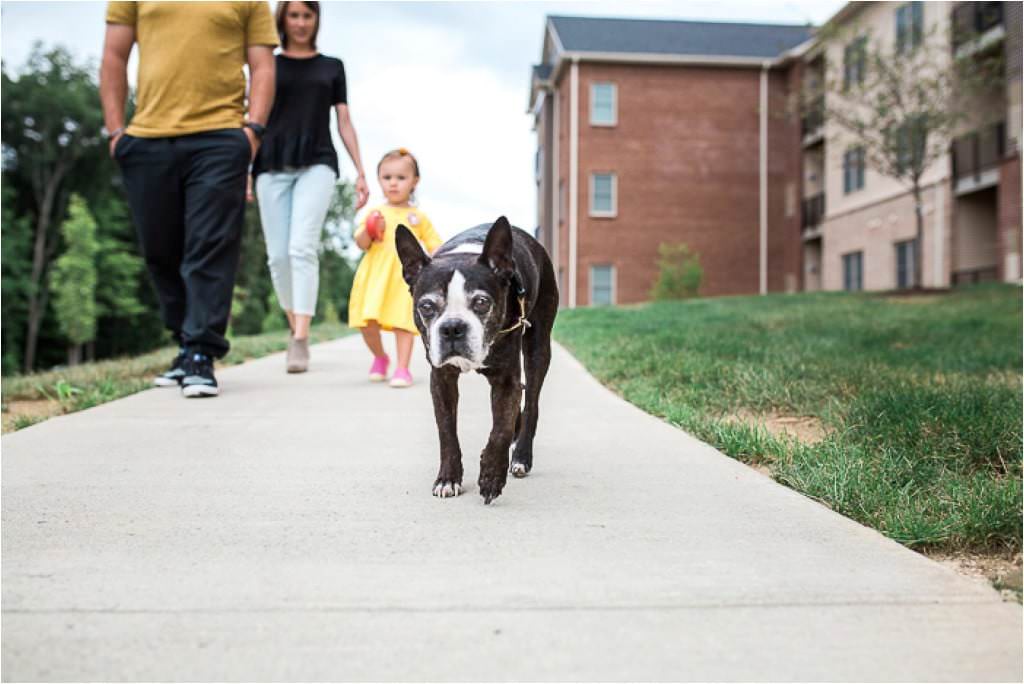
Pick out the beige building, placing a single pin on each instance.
(859, 225)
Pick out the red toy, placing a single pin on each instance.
(375, 225)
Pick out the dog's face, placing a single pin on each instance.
(460, 297)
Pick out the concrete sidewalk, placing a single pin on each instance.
(286, 531)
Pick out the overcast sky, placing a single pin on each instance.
(448, 80)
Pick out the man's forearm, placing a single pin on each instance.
(261, 93)
(113, 91)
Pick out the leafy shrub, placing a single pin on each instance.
(679, 272)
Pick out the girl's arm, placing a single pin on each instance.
(363, 240)
(348, 136)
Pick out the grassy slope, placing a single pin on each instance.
(920, 397)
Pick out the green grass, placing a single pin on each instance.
(79, 387)
(920, 398)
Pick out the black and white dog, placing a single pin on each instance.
(484, 302)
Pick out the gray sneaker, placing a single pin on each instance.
(297, 359)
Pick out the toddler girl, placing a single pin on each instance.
(380, 298)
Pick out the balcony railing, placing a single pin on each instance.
(812, 211)
(813, 119)
(973, 19)
(985, 274)
(979, 151)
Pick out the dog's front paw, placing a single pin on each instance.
(490, 487)
(446, 488)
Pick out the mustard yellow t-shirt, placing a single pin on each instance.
(379, 293)
(190, 62)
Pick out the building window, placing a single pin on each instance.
(603, 101)
(603, 190)
(853, 169)
(538, 164)
(853, 271)
(909, 26)
(602, 285)
(854, 58)
(905, 264)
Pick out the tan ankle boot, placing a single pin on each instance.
(297, 359)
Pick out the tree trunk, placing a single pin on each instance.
(74, 354)
(919, 239)
(37, 298)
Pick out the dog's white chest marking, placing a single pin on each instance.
(468, 248)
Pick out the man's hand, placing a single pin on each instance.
(362, 192)
(113, 143)
(249, 197)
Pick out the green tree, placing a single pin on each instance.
(252, 282)
(15, 243)
(73, 281)
(679, 272)
(336, 270)
(51, 124)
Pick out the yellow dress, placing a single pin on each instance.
(378, 292)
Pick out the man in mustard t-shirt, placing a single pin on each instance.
(185, 156)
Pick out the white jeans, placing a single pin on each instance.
(293, 206)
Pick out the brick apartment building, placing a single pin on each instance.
(675, 131)
(667, 131)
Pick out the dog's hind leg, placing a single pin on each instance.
(537, 357)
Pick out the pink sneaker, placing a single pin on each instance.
(379, 369)
(401, 378)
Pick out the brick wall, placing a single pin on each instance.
(686, 154)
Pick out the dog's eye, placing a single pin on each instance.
(481, 303)
(427, 309)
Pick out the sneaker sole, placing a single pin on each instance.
(400, 384)
(377, 378)
(192, 391)
(165, 382)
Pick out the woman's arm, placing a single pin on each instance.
(348, 136)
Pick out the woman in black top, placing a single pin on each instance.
(296, 167)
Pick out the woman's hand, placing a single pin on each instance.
(249, 197)
(254, 142)
(362, 192)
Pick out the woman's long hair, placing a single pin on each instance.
(282, 10)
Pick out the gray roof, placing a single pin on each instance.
(541, 72)
(716, 39)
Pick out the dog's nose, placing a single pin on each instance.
(452, 331)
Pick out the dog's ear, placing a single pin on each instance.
(497, 254)
(410, 253)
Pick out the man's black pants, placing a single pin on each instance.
(187, 196)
